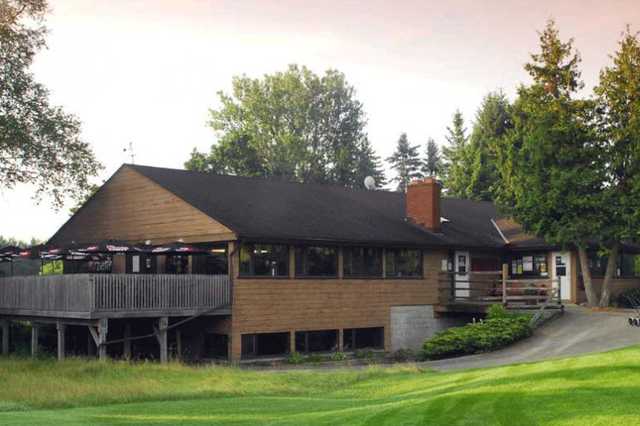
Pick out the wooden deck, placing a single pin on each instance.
(95, 296)
(478, 291)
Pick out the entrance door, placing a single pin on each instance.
(462, 264)
(561, 268)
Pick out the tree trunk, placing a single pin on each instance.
(592, 298)
(612, 264)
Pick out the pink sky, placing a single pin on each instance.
(147, 71)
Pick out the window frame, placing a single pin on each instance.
(363, 275)
(301, 249)
(242, 274)
(420, 275)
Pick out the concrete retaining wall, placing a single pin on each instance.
(411, 325)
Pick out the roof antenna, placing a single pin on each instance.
(369, 182)
(130, 150)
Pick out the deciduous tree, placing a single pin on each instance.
(295, 125)
(40, 144)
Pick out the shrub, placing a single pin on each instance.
(295, 358)
(489, 335)
(338, 356)
(628, 298)
(497, 311)
(403, 355)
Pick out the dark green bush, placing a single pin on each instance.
(628, 298)
(489, 335)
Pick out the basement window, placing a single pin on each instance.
(403, 263)
(265, 344)
(316, 341)
(363, 338)
(264, 260)
(362, 262)
(317, 261)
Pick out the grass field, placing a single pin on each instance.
(601, 389)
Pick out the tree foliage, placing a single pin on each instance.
(550, 164)
(293, 125)
(432, 165)
(457, 159)
(493, 119)
(618, 127)
(405, 161)
(39, 143)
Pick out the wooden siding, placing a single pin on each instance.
(132, 207)
(287, 305)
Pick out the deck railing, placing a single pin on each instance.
(96, 295)
(486, 288)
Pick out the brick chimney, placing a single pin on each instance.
(423, 203)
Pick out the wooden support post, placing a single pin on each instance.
(292, 341)
(103, 329)
(161, 334)
(5, 337)
(505, 276)
(91, 345)
(62, 329)
(126, 349)
(341, 340)
(178, 344)
(35, 328)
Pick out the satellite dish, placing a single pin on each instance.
(369, 182)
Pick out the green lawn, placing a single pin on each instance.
(589, 390)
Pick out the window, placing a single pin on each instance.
(316, 341)
(316, 261)
(265, 344)
(530, 264)
(403, 263)
(264, 260)
(361, 338)
(629, 265)
(363, 262)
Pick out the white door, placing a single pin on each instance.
(462, 266)
(561, 268)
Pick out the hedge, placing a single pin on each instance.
(497, 331)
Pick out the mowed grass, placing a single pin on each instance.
(602, 389)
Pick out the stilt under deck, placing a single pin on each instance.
(91, 300)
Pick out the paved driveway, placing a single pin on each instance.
(576, 332)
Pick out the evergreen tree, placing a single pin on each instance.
(457, 159)
(618, 124)
(369, 164)
(432, 163)
(406, 163)
(550, 163)
(493, 119)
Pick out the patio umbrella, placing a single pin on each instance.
(177, 248)
(112, 246)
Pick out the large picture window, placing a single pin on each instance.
(362, 262)
(402, 263)
(264, 260)
(317, 261)
(530, 265)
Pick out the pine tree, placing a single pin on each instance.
(406, 163)
(493, 119)
(432, 163)
(552, 173)
(457, 159)
(369, 164)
